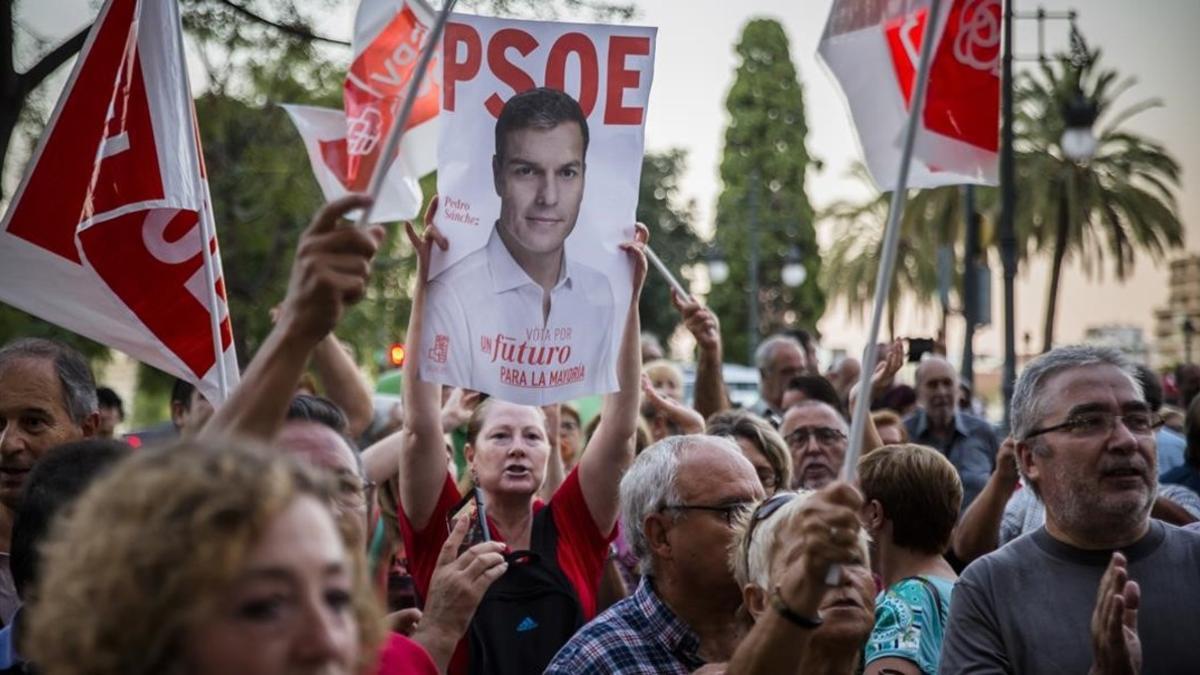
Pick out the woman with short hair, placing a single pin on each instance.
(911, 496)
(759, 442)
(204, 560)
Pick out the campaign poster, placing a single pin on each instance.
(539, 158)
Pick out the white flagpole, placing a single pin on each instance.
(208, 228)
(397, 131)
(887, 263)
(663, 270)
(207, 231)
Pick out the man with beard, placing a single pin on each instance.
(967, 441)
(817, 437)
(680, 502)
(1100, 568)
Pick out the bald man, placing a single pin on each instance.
(967, 441)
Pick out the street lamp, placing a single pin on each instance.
(718, 268)
(793, 272)
(1078, 142)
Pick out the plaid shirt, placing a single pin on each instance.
(637, 635)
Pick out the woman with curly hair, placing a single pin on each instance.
(203, 559)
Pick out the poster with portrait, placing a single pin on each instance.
(539, 158)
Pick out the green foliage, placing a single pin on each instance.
(764, 147)
(671, 235)
(1119, 203)
(932, 218)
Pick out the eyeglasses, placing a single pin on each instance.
(825, 436)
(1101, 423)
(729, 512)
(353, 491)
(764, 510)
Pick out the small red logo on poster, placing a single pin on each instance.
(441, 348)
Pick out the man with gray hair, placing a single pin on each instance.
(817, 436)
(1100, 568)
(679, 503)
(968, 442)
(779, 358)
(47, 398)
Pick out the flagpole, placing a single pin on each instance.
(207, 232)
(666, 272)
(397, 131)
(887, 263)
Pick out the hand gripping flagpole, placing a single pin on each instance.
(390, 147)
(887, 262)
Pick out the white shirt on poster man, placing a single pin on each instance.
(529, 361)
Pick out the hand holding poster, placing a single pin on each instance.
(539, 159)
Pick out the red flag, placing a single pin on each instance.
(872, 47)
(106, 234)
(345, 147)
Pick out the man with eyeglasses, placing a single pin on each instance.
(817, 436)
(679, 502)
(1102, 587)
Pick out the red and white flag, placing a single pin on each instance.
(872, 47)
(106, 234)
(345, 147)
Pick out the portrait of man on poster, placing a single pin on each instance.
(521, 312)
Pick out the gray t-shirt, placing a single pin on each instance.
(1027, 607)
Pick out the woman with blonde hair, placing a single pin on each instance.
(203, 559)
(759, 442)
(560, 545)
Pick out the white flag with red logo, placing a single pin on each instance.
(872, 47)
(105, 236)
(345, 146)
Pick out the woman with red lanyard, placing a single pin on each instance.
(549, 589)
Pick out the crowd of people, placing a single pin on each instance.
(289, 531)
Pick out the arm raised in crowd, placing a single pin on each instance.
(688, 421)
(610, 450)
(423, 445)
(344, 384)
(329, 274)
(885, 372)
(978, 531)
(709, 394)
(555, 471)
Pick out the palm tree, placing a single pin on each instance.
(1118, 203)
(932, 218)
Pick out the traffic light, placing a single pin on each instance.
(396, 354)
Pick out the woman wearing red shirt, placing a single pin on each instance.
(548, 594)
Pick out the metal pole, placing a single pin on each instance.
(891, 240)
(752, 343)
(1008, 202)
(392, 144)
(970, 287)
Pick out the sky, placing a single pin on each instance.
(694, 68)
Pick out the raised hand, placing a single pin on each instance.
(455, 590)
(824, 532)
(330, 271)
(423, 243)
(689, 421)
(700, 321)
(1116, 648)
(636, 250)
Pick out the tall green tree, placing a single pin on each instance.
(1111, 207)
(670, 220)
(763, 172)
